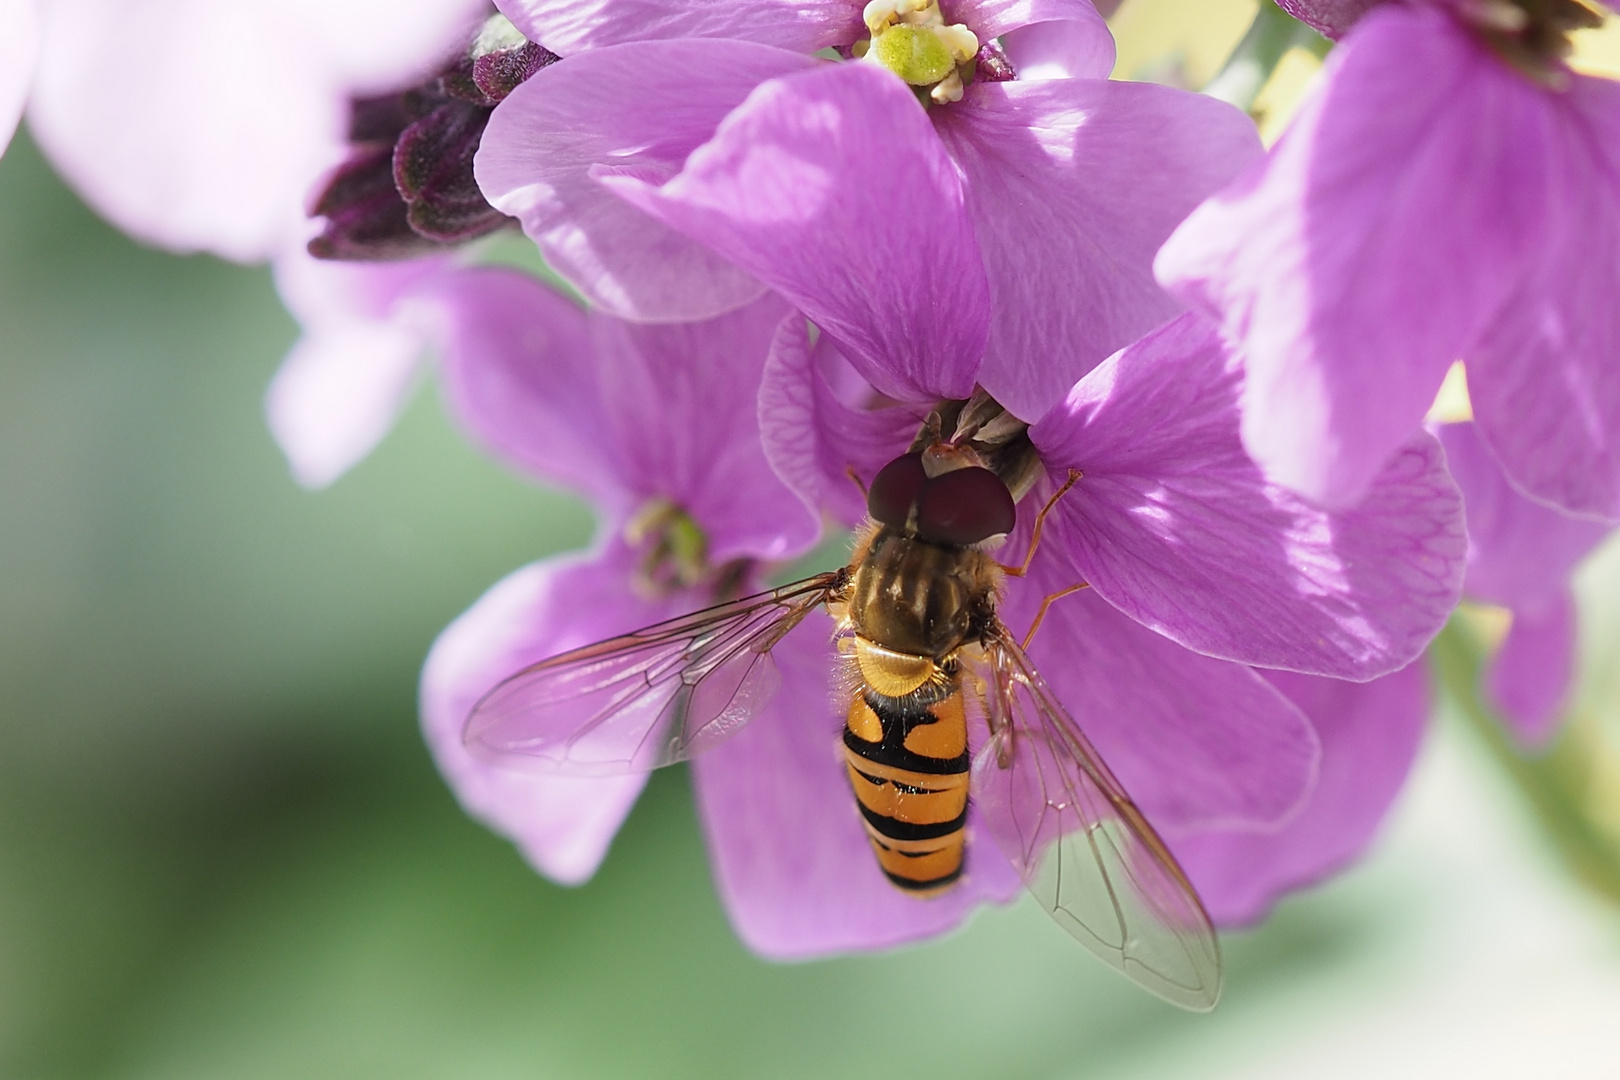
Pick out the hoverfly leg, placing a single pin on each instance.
(849, 471)
(1040, 523)
(1047, 602)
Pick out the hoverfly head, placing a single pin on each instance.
(957, 507)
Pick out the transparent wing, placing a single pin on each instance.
(648, 698)
(1081, 845)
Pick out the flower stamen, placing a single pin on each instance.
(1532, 36)
(912, 39)
(675, 550)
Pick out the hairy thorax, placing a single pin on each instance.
(918, 598)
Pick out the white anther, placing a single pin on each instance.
(879, 15)
(900, 32)
(947, 90)
(963, 43)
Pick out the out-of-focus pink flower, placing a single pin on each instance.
(1521, 556)
(1067, 182)
(1431, 202)
(365, 332)
(196, 125)
(19, 44)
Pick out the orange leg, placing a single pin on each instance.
(849, 470)
(1040, 615)
(1040, 523)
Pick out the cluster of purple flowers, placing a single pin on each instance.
(798, 227)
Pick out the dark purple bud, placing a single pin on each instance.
(433, 170)
(379, 119)
(894, 489)
(407, 187)
(365, 217)
(460, 84)
(499, 73)
(965, 506)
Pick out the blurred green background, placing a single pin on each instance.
(225, 853)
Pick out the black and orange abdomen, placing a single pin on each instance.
(908, 763)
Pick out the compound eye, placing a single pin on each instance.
(965, 506)
(894, 489)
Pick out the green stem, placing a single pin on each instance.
(1267, 41)
(1573, 787)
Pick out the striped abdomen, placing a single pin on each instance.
(908, 763)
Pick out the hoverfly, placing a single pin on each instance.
(923, 652)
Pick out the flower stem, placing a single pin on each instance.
(1573, 788)
(1269, 38)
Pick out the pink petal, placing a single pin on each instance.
(567, 27)
(318, 292)
(1073, 186)
(197, 125)
(1330, 17)
(993, 18)
(345, 382)
(1543, 379)
(19, 47)
(1198, 743)
(791, 858)
(338, 393)
(622, 412)
(1372, 247)
(1370, 735)
(683, 407)
(1045, 39)
(1520, 554)
(1177, 527)
(614, 108)
(831, 187)
(520, 375)
(816, 443)
(563, 825)
(1528, 680)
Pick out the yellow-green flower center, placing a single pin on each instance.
(912, 39)
(675, 551)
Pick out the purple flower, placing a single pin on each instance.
(665, 417)
(1173, 523)
(657, 427)
(196, 125)
(1193, 558)
(1431, 201)
(19, 44)
(1188, 549)
(1061, 183)
(1521, 556)
(1168, 511)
